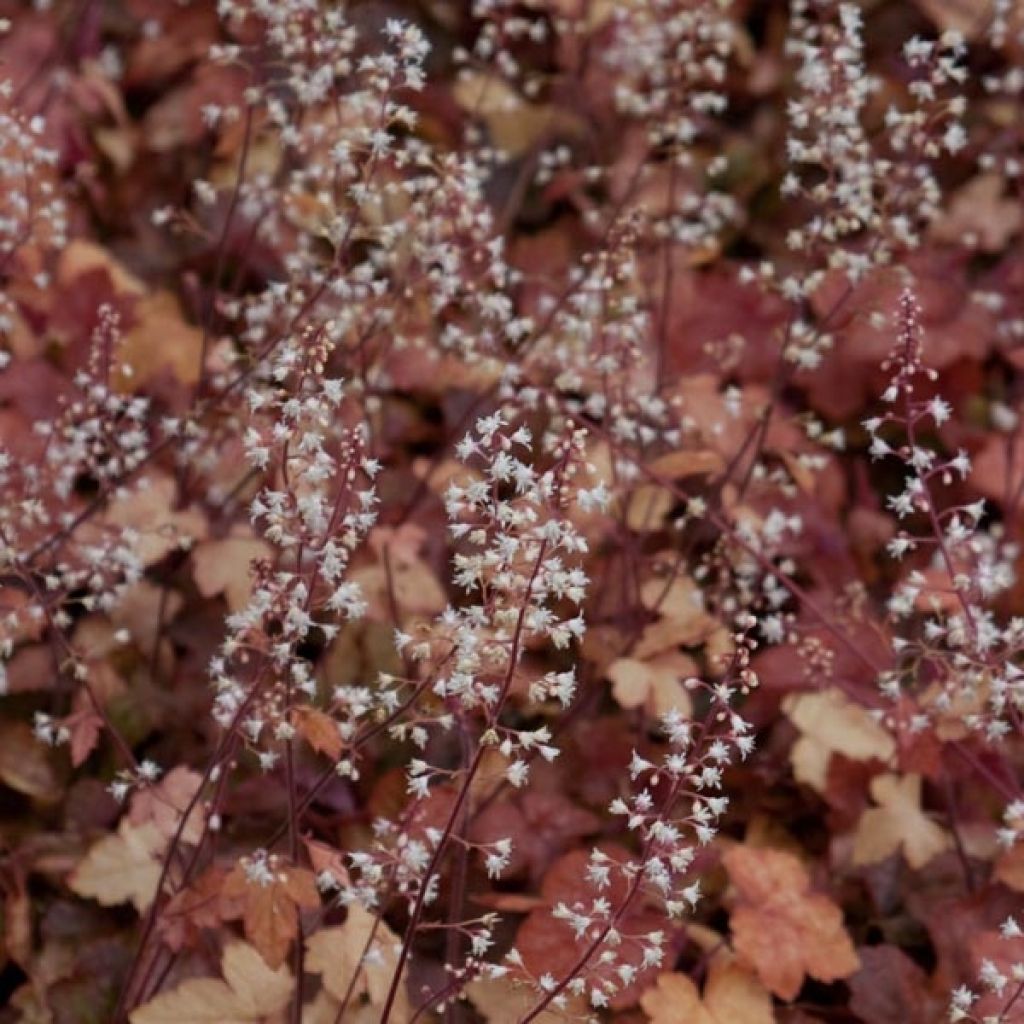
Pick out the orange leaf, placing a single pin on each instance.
(320, 732)
(780, 927)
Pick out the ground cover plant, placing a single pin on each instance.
(511, 511)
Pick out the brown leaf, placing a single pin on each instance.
(655, 683)
(149, 509)
(199, 906)
(677, 465)
(270, 907)
(979, 216)
(25, 763)
(891, 989)
(320, 731)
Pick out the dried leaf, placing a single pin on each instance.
(223, 567)
(898, 823)
(363, 944)
(320, 731)
(830, 724)
(122, 867)
(655, 684)
(159, 340)
(164, 802)
(732, 995)
(148, 509)
(25, 763)
(270, 909)
(251, 991)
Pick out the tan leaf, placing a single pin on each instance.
(223, 567)
(514, 124)
(830, 724)
(980, 216)
(327, 859)
(413, 585)
(648, 507)
(682, 617)
(140, 608)
(164, 803)
(121, 867)
(780, 927)
(149, 510)
(679, 464)
(80, 257)
(655, 684)
(160, 340)
(733, 995)
(675, 1000)
(250, 991)
(362, 944)
(503, 1001)
(897, 823)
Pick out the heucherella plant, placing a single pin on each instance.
(511, 511)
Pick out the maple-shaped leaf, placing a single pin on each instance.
(121, 867)
(732, 995)
(224, 566)
(327, 860)
(269, 903)
(507, 1001)
(830, 723)
(319, 730)
(898, 823)
(655, 684)
(164, 802)
(782, 928)
(85, 727)
(197, 907)
(250, 991)
(364, 948)
(544, 824)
